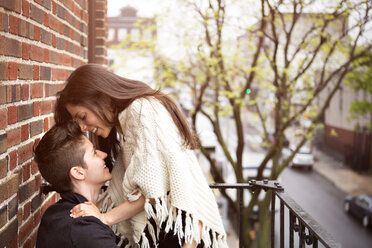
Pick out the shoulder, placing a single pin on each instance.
(91, 232)
(143, 106)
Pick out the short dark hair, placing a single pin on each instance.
(58, 151)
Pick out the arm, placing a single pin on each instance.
(122, 212)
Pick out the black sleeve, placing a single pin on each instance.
(90, 232)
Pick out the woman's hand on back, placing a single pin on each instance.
(87, 209)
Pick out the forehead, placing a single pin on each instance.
(87, 144)
(73, 109)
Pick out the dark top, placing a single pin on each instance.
(58, 229)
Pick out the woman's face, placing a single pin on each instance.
(88, 121)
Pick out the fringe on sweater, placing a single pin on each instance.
(172, 217)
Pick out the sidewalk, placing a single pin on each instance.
(343, 177)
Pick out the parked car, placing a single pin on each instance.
(304, 158)
(360, 207)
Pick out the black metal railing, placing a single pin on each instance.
(309, 232)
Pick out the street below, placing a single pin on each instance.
(324, 202)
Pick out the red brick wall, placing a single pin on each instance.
(41, 42)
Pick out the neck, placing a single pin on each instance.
(88, 191)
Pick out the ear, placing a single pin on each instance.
(77, 173)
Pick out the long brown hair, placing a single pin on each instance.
(96, 88)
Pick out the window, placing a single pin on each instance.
(135, 34)
(122, 33)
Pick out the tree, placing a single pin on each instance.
(360, 80)
(293, 58)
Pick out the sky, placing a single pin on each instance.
(145, 8)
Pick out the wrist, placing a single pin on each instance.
(106, 219)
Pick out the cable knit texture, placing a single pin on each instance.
(155, 162)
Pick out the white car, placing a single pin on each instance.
(303, 158)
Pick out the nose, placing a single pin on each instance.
(82, 126)
(102, 154)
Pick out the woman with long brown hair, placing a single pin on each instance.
(150, 150)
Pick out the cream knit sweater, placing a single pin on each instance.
(155, 162)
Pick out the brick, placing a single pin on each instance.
(37, 33)
(2, 71)
(35, 202)
(2, 21)
(36, 53)
(9, 93)
(25, 91)
(45, 73)
(60, 12)
(26, 190)
(10, 47)
(53, 57)
(12, 115)
(26, 210)
(3, 143)
(36, 108)
(13, 24)
(16, 93)
(46, 107)
(3, 169)
(37, 90)
(3, 215)
(12, 160)
(9, 187)
(34, 168)
(46, 37)
(53, 23)
(36, 14)
(25, 152)
(31, 31)
(66, 30)
(10, 231)
(52, 89)
(11, 5)
(2, 94)
(60, 43)
(25, 71)
(13, 136)
(25, 8)
(36, 72)
(24, 112)
(12, 70)
(12, 207)
(25, 51)
(46, 19)
(47, 4)
(25, 231)
(46, 125)
(54, 8)
(37, 182)
(54, 40)
(22, 28)
(36, 127)
(3, 118)
(26, 172)
(25, 132)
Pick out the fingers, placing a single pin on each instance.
(84, 209)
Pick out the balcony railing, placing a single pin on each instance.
(302, 228)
